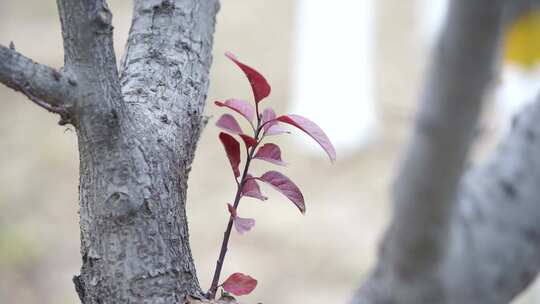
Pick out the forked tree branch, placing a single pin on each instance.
(136, 144)
(47, 87)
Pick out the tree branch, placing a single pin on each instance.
(168, 52)
(87, 34)
(47, 87)
(425, 188)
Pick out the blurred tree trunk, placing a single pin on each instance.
(458, 237)
(137, 132)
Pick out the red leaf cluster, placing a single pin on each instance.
(263, 124)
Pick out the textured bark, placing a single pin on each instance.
(453, 238)
(137, 136)
(137, 139)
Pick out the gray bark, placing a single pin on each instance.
(51, 89)
(454, 237)
(137, 136)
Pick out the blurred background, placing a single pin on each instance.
(354, 67)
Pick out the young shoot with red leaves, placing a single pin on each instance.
(263, 124)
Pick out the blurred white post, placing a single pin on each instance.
(518, 86)
(333, 75)
(432, 14)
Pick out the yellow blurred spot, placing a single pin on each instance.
(522, 41)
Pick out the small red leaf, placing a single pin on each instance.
(229, 123)
(232, 148)
(259, 85)
(243, 225)
(270, 123)
(252, 189)
(248, 140)
(239, 284)
(240, 106)
(284, 185)
(270, 153)
(268, 118)
(312, 130)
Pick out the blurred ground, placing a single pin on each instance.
(317, 258)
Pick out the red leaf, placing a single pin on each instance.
(270, 153)
(252, 189)
(268, 118)
(229, 123)
(312, 130)
(284, 185)
(232, 148)
(248, 140)
(239, 284)
(240, 106)
(269, 123)
(242, 225)
(259, 85)
(276, 130)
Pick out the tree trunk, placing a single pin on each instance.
(136, 154)
(137, 135)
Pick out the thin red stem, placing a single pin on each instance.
(227, 234)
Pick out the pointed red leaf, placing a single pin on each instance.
(312, 130)
(259, 85)
(284, 185)
(240, 106)
(252, 189)
(229, 123)
(239, 284)
(248, 140)
(232, 148)
(270, 153)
